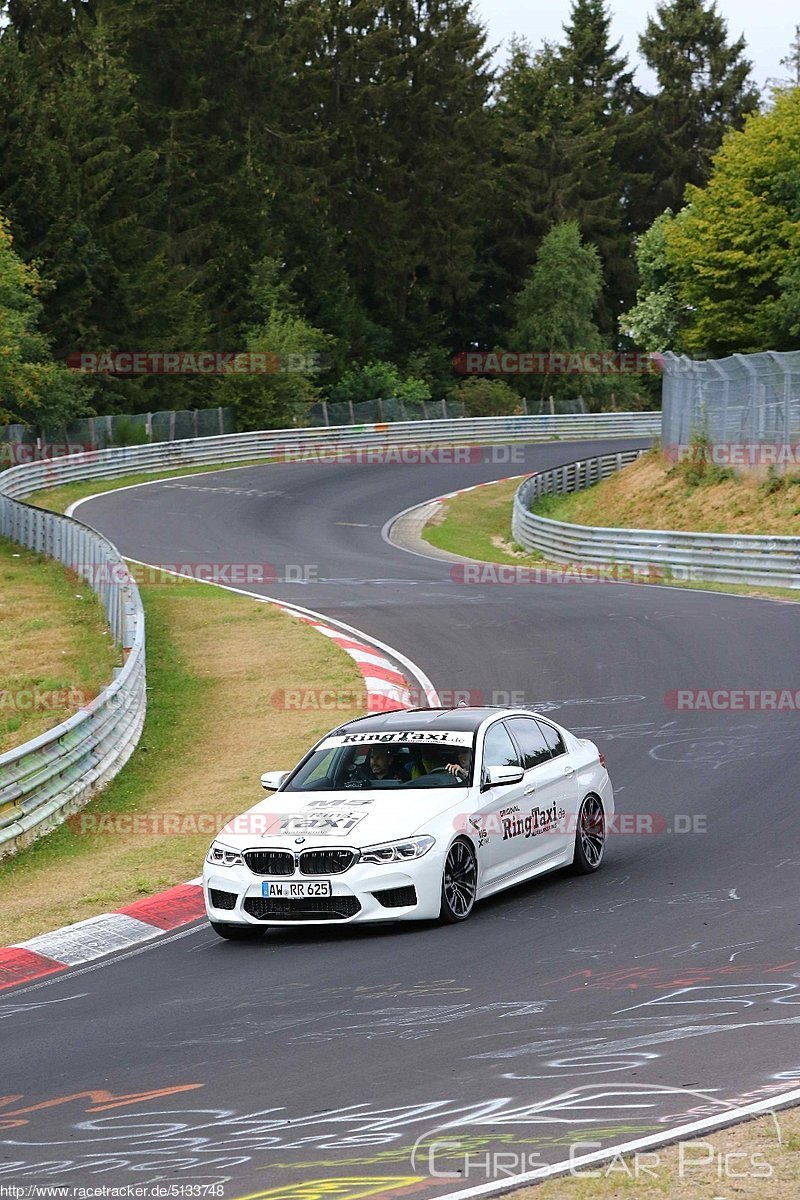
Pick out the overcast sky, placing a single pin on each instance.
(768, 27)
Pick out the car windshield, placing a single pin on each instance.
(390, 762)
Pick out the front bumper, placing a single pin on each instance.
(356, 887)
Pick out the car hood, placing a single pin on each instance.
(357, 819)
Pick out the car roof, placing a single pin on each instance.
(455, 720)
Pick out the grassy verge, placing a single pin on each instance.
(753, 1161)
(55, 648)
(654, 494)
(478, 525)
(217, 664)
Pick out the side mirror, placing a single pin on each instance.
(504, 775)
(272, 780)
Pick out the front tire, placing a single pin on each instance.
(459, 882)
(590, 836)
(237, 933)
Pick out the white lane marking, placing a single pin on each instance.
(60, 977)
(384, 687)
(373, 660)
(86, 940)
(128, 487)
(422, 679)
(676, 1134)
(90, 939)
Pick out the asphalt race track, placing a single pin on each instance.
(601, 1008)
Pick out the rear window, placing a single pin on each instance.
(553, 738)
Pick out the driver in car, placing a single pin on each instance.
(380, 763)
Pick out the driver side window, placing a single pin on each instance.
(498, 749)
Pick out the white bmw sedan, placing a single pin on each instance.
(409, 816)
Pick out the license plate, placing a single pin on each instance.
(300, 890)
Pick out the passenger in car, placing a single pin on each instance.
(459, 762)
(455, 759)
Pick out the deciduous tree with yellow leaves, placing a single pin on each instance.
(734, 251)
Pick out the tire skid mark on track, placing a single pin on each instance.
(639, 1027)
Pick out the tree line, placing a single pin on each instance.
(348, 182)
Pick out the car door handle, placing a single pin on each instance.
(569, 770)
(529, 791)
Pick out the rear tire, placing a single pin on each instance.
(459, 882)
(237, 933)
(590, 837)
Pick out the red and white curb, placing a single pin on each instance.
(386, 687)
(97, 936)
(387, 690)
(473, 488)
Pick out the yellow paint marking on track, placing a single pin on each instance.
(345, 1188)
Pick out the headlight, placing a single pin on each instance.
(395, 852)
(222, 856)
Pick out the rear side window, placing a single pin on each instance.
(553, 739)
(530, 740)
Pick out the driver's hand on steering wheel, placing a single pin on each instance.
(456, 770)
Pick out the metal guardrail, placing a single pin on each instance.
(44, 780)
(764, 561)
(303, 443)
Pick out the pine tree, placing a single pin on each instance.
(792, 59)
(400, 92)
(605, 102)
(704, 89)
(570, 139)
(205, 76)
(79, 187)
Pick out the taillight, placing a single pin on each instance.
(602, 758)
